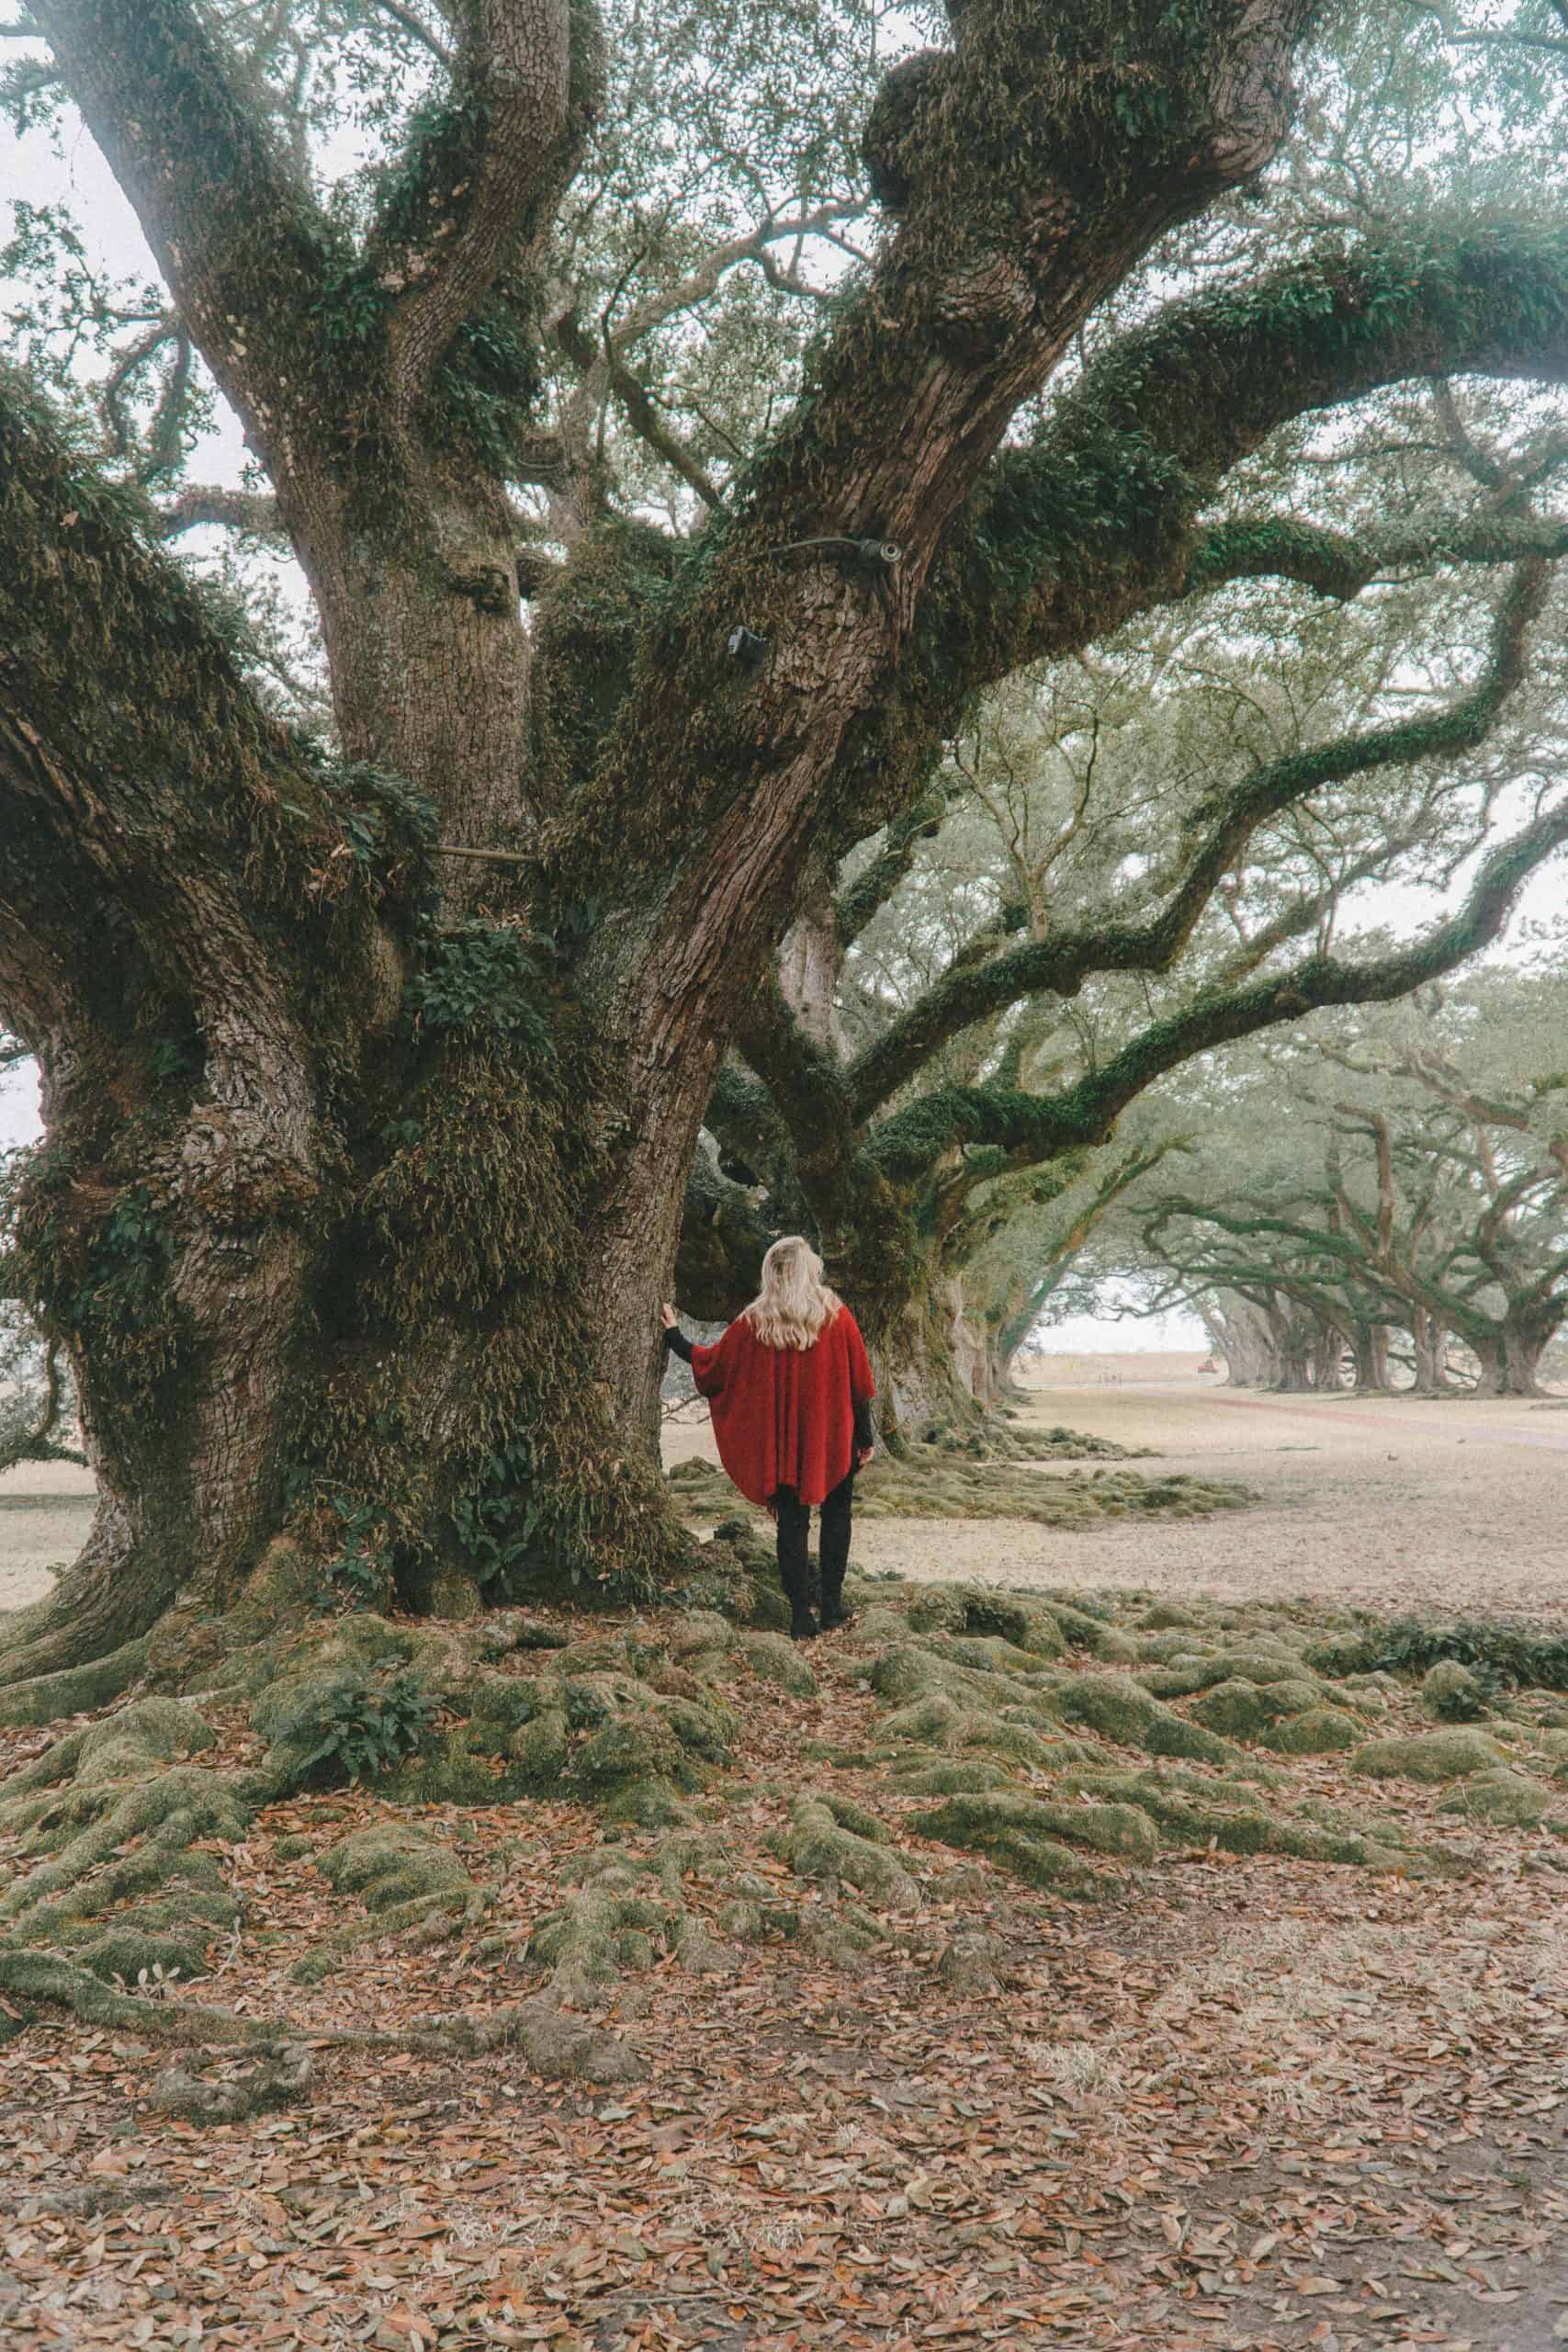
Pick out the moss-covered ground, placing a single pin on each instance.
(936, 1482)
(1091, 1971)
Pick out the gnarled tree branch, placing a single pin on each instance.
(969, 991)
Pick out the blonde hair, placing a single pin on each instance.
(793, 1307)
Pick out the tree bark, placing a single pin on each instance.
(1430, 1343)
(1371, 1351)
(1510, 1365)
(929, 1366)
(1242, 1334)
(366, 1169)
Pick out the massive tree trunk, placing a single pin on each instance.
(1241, 1333)
(1430, 1342)
(1371, 1352)
(1510, 1363)
(930, 1365)
(1292, 1341)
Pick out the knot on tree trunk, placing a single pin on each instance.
(983, 302)
(229, 1168)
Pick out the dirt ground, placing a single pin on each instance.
(45, 1510)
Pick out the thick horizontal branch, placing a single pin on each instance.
(1500, 37)
(1340, 566)
(202, 503)
(1097, 518)
(969, 993)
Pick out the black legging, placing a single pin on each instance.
(833, 1550)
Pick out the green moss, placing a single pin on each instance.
(960, 1777)
(989, 1654)
(449, 1769)
(1029, 1627)
(1012, 1832)
(1092, 1633)
(540, 1751)
(773, 1658)
(136, 1846)
(1238, 1709)
(1506, 1799)
(1243, 1710)
(148, 1733)
(940, 1721)
(134, 1955)
(1119, 1710)
(390, 1865)
(1450, 1693)
(910, 1672)
(1433, 1756)
(630, 1747)
(76, 1689)
(1317, 1731)
(926, 1482)
(817, 1846)
(855, 1818)
(647, 1805)
(1191, 1813)
(504, 1702)
(1187, 1676)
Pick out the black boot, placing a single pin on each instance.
(795, 1573)
(834, 1548)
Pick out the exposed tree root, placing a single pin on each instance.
(43, 1980)
(90, 2199)
(1073, 1743)
(281, 2078)
(33, 1695)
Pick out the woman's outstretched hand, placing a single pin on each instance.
(668, 1315)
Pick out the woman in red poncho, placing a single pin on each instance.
(790, 1388)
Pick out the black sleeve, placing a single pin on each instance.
(865, 1432)
(678, 1344)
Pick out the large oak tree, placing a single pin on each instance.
(374, 1076)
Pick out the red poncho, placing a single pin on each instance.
(785, 1417)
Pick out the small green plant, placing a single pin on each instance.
(500, 1521)
(1499, 1657)
(367, 1727)
(481, 977)
(362, 1570)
